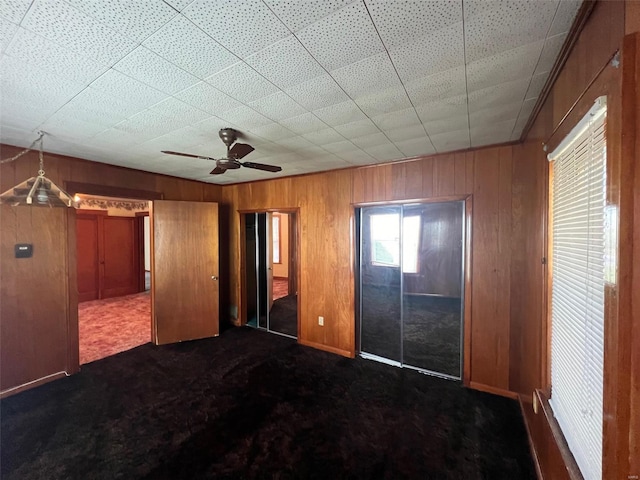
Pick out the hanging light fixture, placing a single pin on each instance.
(39, 190)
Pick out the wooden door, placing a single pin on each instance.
(119, 257)
(184, 256)
(87, 239)
(270, 259)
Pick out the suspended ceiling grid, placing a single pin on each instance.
(311, 84)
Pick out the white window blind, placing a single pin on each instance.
(577, 298)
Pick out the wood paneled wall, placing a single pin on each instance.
(586, 75)
(38, 295)
(508, 210)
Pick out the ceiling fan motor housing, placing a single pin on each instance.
(228, 136)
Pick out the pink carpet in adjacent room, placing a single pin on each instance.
(280, 287)
(113, 325)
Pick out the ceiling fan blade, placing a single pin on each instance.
(187, 155)
(217, 171)
(240, 150)
(262, 166)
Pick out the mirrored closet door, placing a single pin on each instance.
(411, 285)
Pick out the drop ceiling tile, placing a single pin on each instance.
(285, 63)
(115, 138)
(147, 125)
(523, 117)
(69, 27)
(42, 53)
(242, 82)
(565, 14)
(430, 54)
(45, 89)
(178, 4)
(492, 134)
(495, 114)
(294, 144)
(508, 65)
(371, 140)
(277, 106)
(343, 146)
(385, 152)
(272, 132)
(449, 107)
(185, 45)
(450, 141)
(70, 128)
(305, 123)
(441, 85)
(400, 22)
(535, 87)
(447, 124)
(244, 27)
(507, 92)
(7, 30)
(210, 128)
(127, 89)
(495, 26)
(399, 135)
(416, 147)
(358, 128)
(318, 92)
(206, 98)
(401, 118)
(23, 116)
(328, 135)
(297, 15)
(137, 20)
(97, 107)
(146, 66)
(14, 10)
(179, 112)
(357, 157)
(367, 76)
(384, 101)
(550, 52)
(245, 116)
(326, 39)
(340, 113)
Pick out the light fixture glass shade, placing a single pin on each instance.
(37, 191)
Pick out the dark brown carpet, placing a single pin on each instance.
(283, 317)
(257, 406)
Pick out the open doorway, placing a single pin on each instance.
(114, 275)
(270, 271)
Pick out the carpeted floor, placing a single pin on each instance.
(113, 325)
(283, 317)
(280, 287)
(250, 405)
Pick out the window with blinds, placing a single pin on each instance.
(577, 289)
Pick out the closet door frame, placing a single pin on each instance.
(467, 257)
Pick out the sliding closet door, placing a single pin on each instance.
(432, 259)
(263, 270)
(380, 293)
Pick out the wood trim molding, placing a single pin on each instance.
(106, 191)
(541, 401)
(34, 383)
(494, 390)
(572, 37)
(525, 403)
(326, 348)
(443, 199)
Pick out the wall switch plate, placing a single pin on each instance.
(321, 321)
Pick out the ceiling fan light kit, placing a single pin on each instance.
(234, 154)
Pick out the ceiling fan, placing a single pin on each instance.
(234, 154)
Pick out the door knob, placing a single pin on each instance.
(213, 277)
